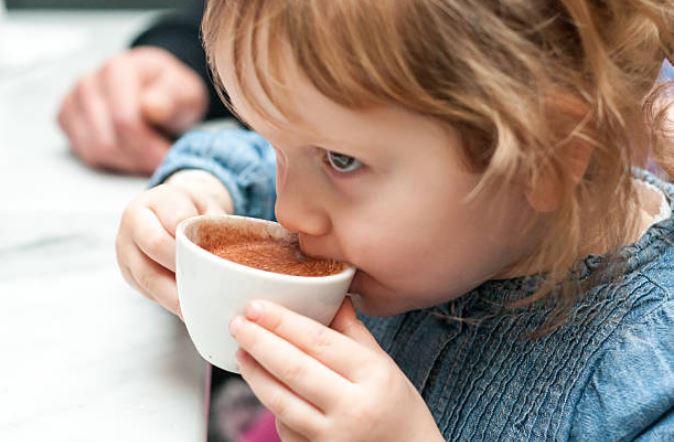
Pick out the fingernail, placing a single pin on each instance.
(254, 310)
(235, 325)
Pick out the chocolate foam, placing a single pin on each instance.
(249, 246)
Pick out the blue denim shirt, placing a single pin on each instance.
(607, 374)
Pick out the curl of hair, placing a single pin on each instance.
(525, 83)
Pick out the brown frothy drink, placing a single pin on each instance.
(263, 252)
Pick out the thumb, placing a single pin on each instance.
(347, 323)
(174, 105)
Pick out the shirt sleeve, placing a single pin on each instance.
(630, 395)
(180, 34)
(242, 160)
(667, 72)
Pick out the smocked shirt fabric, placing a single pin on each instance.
(607, 374)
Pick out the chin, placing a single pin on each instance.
(364, 306)
(372, 298)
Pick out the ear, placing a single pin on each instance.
(569, 113)
(545, 193)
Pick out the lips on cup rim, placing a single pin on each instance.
(181, 235)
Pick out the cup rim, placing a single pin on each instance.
(182, 238)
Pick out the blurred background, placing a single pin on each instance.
(85, 357)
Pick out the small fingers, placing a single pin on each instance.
(152, 219)
(171, 206)
(141, 271)
(347, 323)
(287, 434)
(153, 240)
(309, 378)
(122, 255)
(323, 343)
(153, 280)
(292, 410)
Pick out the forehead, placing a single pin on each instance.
(308, 113)
(253, 91)
(268, 89)
(244, 72)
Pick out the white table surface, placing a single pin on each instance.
(83, 357)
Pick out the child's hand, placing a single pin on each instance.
(146, 238)
(324, 384)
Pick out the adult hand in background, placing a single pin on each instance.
(122, 116)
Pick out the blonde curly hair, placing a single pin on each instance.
(530, 85)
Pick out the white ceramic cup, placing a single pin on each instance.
(212, 290)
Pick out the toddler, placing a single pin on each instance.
(478, 162)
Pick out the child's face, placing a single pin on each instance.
(385, 190)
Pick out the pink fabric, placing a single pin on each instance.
(263, 430)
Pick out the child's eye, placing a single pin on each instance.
(342, 163)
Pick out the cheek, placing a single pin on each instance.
(387, 249)
(420, 264)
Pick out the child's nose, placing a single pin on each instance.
(299, 210)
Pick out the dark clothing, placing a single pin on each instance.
(179, 33)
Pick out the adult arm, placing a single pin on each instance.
(179, 34)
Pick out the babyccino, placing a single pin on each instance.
(253, 249)
(479, 164)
